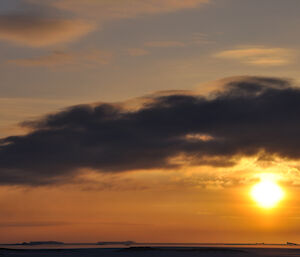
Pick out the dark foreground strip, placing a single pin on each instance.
(200, 249)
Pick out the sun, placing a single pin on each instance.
(267, 193)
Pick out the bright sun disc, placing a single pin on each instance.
(267, 193)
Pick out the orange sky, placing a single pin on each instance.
(163, 115)
(146, 208)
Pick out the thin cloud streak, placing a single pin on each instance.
(164, 44)
(37, 31)
(60, 58)
(137, 52)
(103, 10)
(44, 23)
(47, 27)
(259, 56)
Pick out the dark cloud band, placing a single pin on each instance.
(248, 116)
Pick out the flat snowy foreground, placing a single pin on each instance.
(153, 251)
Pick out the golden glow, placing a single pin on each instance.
(267, 193)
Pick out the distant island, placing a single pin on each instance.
(289, 243)
(117, 243)
(43, 243)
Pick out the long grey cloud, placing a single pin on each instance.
(249, 115)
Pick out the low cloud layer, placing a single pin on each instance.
(250, 115)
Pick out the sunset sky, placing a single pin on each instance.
(149, 120)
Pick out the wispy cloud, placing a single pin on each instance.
(259, 56)
(149, 46)
(37, 31)
(200, 39)
(104, 10)
(33, 224)
(165, 44)
(44, 23)
(137, 51)
(59, 58)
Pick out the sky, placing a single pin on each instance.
(148, 120)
